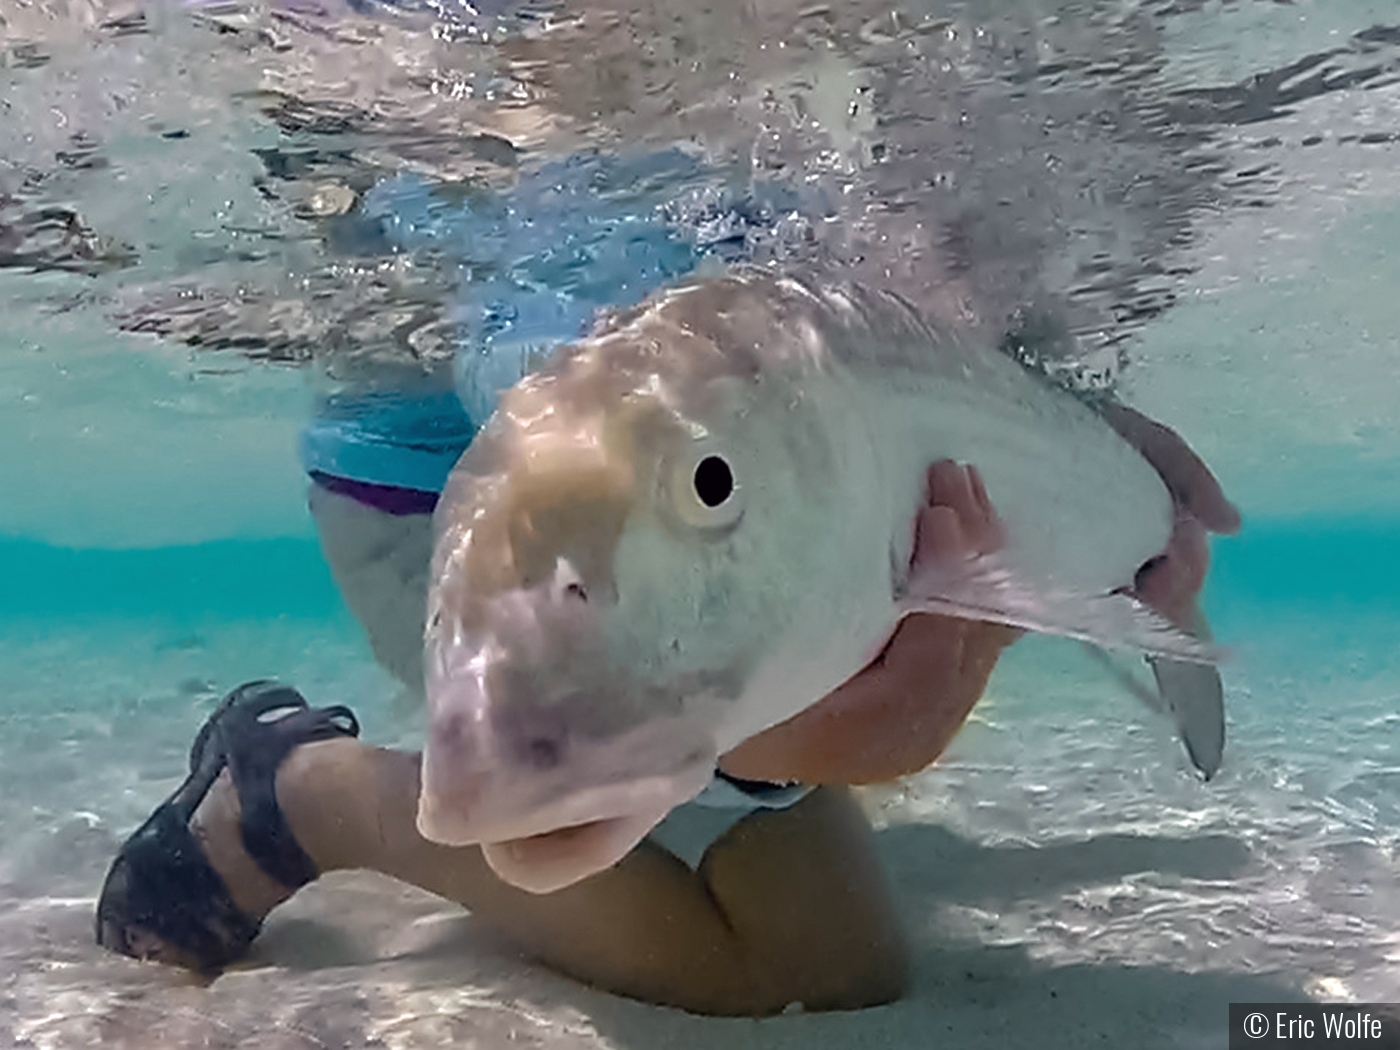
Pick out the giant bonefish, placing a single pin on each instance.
(692, 524)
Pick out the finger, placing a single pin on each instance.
(1190, 549)
(939, 538)
(963, 490)
(979, 492)
(948, 486)
(1191, 482)
(990, 534)
(1169, 583)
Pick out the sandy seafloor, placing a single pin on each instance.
(1066, 882)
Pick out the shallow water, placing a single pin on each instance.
(1214, 218)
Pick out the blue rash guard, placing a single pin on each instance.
(571, 239)
(536, 265)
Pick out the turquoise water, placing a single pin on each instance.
(1065, 880)
(1279, 567)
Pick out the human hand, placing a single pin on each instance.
(1170, 582)
(898, 714)
(1194, 488)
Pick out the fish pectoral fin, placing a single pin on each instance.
(986, 588)
(1188, 683)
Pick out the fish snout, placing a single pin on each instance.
(454, 777)
(532, 736)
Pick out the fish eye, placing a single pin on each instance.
(705, 492)
(713, 481)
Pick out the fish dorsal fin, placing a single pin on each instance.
(986, 588)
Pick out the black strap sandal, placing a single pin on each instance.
(162, 899)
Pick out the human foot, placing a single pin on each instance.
(190, 887)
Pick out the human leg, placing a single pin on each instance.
(380, 563)
(787, 906)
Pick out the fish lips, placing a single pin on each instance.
(556, 860)
(542, 848)
(586, 833)
(549, 808)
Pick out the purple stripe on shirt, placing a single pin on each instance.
(391, 499)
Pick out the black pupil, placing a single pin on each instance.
(714, 481)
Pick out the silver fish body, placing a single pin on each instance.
(693, 524)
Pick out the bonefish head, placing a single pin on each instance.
(614, 560)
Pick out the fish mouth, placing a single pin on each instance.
(494, 807)
(542, 845)
(554, 860)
